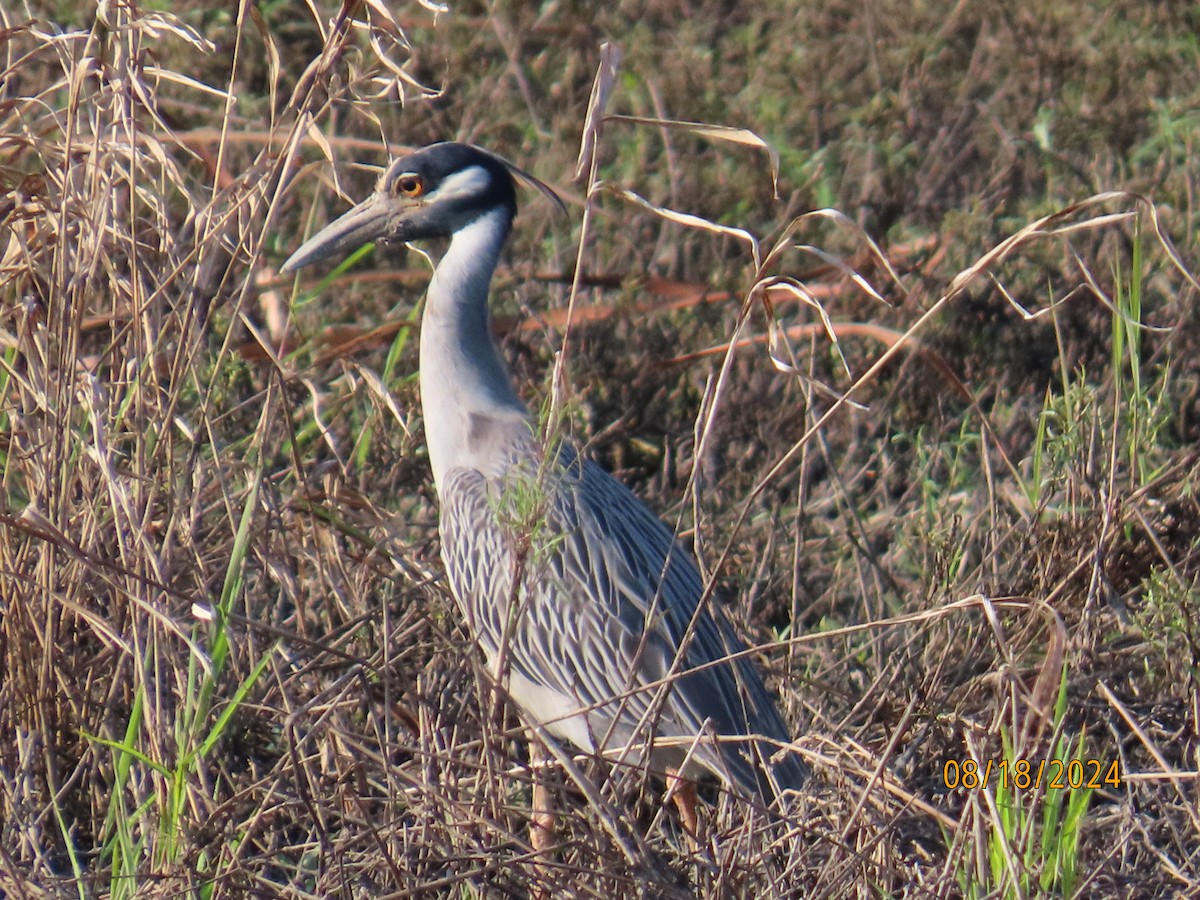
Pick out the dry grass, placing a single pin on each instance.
(948, 473)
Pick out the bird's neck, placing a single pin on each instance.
(468, 400)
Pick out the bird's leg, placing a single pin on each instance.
(542, 818)
(683, 792)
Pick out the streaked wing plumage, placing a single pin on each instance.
(608, 595)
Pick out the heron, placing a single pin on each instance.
(589, 611)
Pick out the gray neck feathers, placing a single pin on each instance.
(470, 407)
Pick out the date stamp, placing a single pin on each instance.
(1023, 774)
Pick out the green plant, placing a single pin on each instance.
(1036, 817)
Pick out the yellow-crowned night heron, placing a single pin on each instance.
(605, 639)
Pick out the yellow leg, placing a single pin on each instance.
(683, 790)
(542, 818)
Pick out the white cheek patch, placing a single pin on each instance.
(470, 182)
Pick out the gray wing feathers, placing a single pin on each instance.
(604, 606)
(728, 694)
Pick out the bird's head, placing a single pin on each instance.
(431, 193)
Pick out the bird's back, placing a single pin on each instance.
(607, 597)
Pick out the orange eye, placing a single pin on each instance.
(410, 185)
